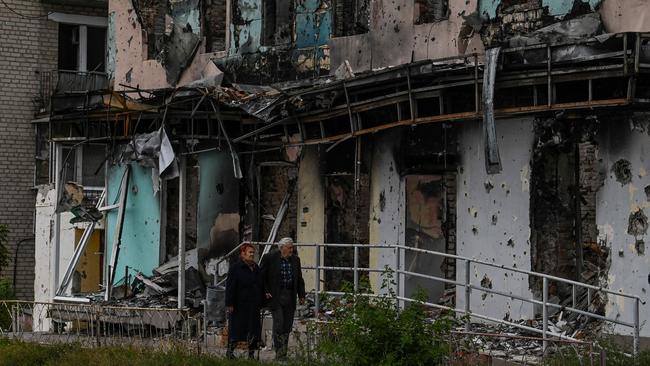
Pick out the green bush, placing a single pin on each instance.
(375, 331)
(4, 242)
(6, 291)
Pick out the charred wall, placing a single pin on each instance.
(564, 183)
(215, 25)
(622, 207)
(274, 184)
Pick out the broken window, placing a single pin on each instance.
(564, 182)
(346, 220)
(430, 11)
(84, 165)
(152, 16)
(215, 25)
(277, 22)
(82, 48)
(350, 17)
(42, 166)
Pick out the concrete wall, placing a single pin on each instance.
(392, 28)
(625, 16)
(505, 241)
(311, 210)
(629, 269)
(387, 201)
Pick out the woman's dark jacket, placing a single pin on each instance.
(245, 293)
(273, 278)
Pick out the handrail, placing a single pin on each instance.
(466, 283)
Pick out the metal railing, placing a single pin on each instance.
(97, 325)
(59, 82)
(468, 286)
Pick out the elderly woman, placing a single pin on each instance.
(244, 299)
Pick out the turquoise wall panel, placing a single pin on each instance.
(140, 249)
(562, 7)
(313, 29)
(555, 7)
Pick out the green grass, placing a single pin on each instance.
(27, 354)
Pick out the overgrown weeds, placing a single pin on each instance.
(369, 330)
(31, 354)
(605, 352)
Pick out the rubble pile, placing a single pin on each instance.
(161, 289)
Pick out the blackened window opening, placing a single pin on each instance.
(350, 17)
(430, 11)
(277, 22)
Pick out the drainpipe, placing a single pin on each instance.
(16, 258)
(55, 239)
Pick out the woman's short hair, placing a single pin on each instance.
(245, 246)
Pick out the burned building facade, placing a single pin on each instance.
(508, 132)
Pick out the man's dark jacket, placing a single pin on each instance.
(245, 293)
(271, 268)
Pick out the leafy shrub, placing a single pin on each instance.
(4, 251)
(375, 331)
(6, 291)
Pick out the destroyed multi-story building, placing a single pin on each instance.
(511, 132)
(41, 41)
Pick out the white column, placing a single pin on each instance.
(182, 187)
(82, 56)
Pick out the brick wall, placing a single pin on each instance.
(275, 181)
(589, 184)
(27, 44)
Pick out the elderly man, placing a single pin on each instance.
(283, 283)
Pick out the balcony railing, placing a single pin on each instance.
(67, 82)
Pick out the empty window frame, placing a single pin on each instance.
(277, 22)
(430, 11)
(350, 17)
(82, 48)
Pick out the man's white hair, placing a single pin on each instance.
(285, 241)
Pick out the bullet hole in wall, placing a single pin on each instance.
(639, 245)
(623, 172)
(637, 223)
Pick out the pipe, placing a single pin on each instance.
(16, 258)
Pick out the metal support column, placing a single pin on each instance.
(182, 187)
(635, 346)
(544, 313)
(356, 269)
(468, 289)
(117, 236)
(317, 283)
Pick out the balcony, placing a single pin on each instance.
(85, 3)
(65, 89)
